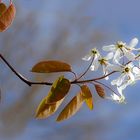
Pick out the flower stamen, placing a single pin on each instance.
(103, 61)
(94, 51)
(127, 69)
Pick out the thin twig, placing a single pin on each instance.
(74, 74)
(86, 69)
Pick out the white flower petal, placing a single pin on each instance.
(87, 57)
(109, 56)
(111, 67)
(116, 98)
(130, 65)
(130, 56)
(92, 68)
(117, 56)
(107, 78)
(130, 74)
(95, 65)
(136, 70)
(109, 48)
(137, 77)
(127, 83)
(133, 43)
(105, 72)
(113, 82)
(120, 90)
(119, 80)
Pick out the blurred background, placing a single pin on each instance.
(65, 30)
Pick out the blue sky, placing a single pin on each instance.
(120, 20)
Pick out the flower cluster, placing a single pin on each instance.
(122, 58)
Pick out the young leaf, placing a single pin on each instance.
(7, 17)
(51, 66)
(2, 8)
(53, 100)
(58, 90)
(71, 108)
(100, 90)
(45, 109)
(88, 96)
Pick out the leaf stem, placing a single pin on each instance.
(75, 76)
(86, 69)
(94, 79)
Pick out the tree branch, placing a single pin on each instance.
(30, 83)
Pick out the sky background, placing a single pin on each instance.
(65, 30)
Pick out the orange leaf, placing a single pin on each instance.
(2, 8)
(71, 108)
(100, 90)
(88, 96)
(7, 17)
(53, 100)
(51, 66)
(45, 109)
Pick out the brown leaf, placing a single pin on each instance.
(88, 96)
(100, 90)
(58, 90)
(7, 17)
(45, 109)
(51, 66)
(71, 108)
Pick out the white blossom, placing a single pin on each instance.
(117, 98)
(127, 74)
(129, 71)
(103, 61)
(136, 70)
(93, 53)
(121, 49)
(98, 61)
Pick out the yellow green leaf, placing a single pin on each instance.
(45, 109)
(58, 90)
(100, 90)
(2, 8)
(51, 66)
(71, 108)
(88, 96)
(7, 17)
